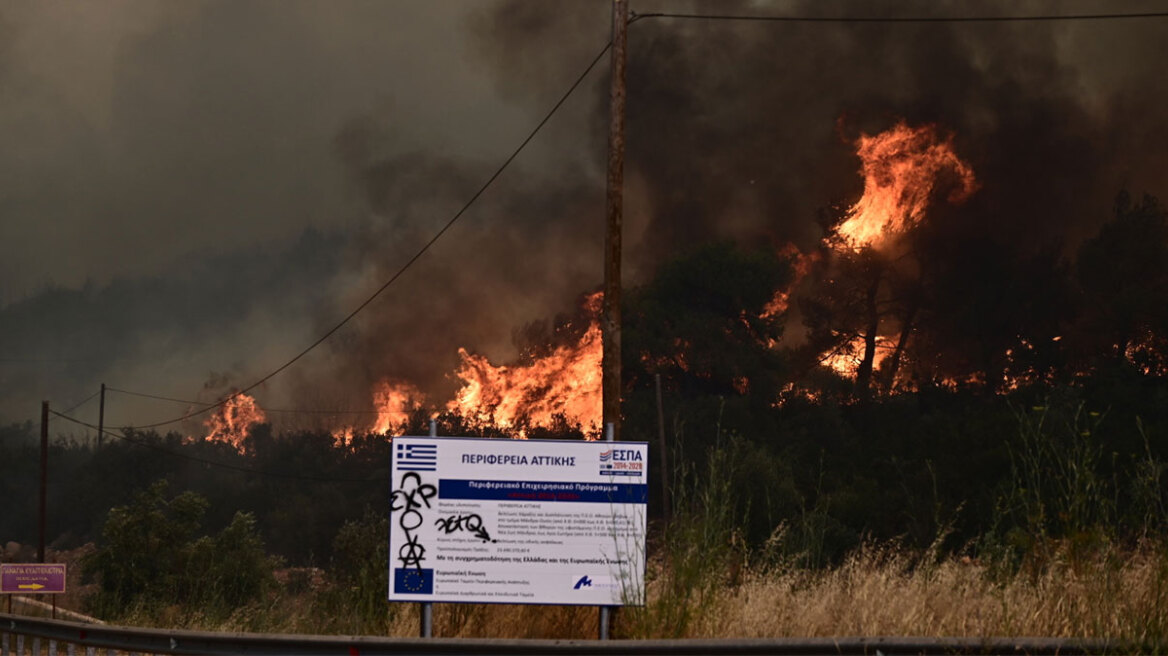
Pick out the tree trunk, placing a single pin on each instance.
(901, 344)
(864, 373)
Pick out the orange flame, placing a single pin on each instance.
(845, 359)
(902, 167)
(801, 264)
(231, 420)
(395, 402)
(566, 382)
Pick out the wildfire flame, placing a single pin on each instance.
(846, 358)
(902, 168)
(394, 402)
(566, 382)
(801, 264)
(562, 384)
(231, 420)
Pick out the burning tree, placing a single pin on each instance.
(232, 420)
(864, 308)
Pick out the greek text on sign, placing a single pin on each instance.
(32, 578)
(517, 521)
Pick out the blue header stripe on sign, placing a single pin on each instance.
(604, 492)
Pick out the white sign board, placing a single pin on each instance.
(517, 521)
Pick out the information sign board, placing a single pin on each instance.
(32, 578)
(517, 521)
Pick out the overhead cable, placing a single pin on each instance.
(904, 19)
(214, 463)
(291, 411)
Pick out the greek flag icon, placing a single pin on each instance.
(417, 457)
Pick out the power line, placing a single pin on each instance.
(409, 263)
(78, 405)
(215, 463)
(156, 397)
(49, 360)
(904, 19)
(266, 410)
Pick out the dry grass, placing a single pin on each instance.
(885, 591)
(877, 591)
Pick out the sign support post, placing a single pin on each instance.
(427, 608)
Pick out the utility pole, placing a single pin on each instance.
(610, 321)
(44, 477)
(611, 311)
(101, 416)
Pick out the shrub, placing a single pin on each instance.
(151, 555)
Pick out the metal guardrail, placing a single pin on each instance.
(20, 634)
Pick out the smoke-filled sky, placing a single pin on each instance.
(191, 193)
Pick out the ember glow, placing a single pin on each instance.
(565, 382)
(903, 168)
(231, 420)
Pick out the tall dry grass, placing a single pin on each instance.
(888, 591)
(879, 590)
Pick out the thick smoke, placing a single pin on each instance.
(176, 156)
(746, 130)
(193, 193)
(738, 129)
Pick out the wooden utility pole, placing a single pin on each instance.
(611, 319)
(101, 417)
(44, 478)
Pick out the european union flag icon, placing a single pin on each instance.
(410, 580)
